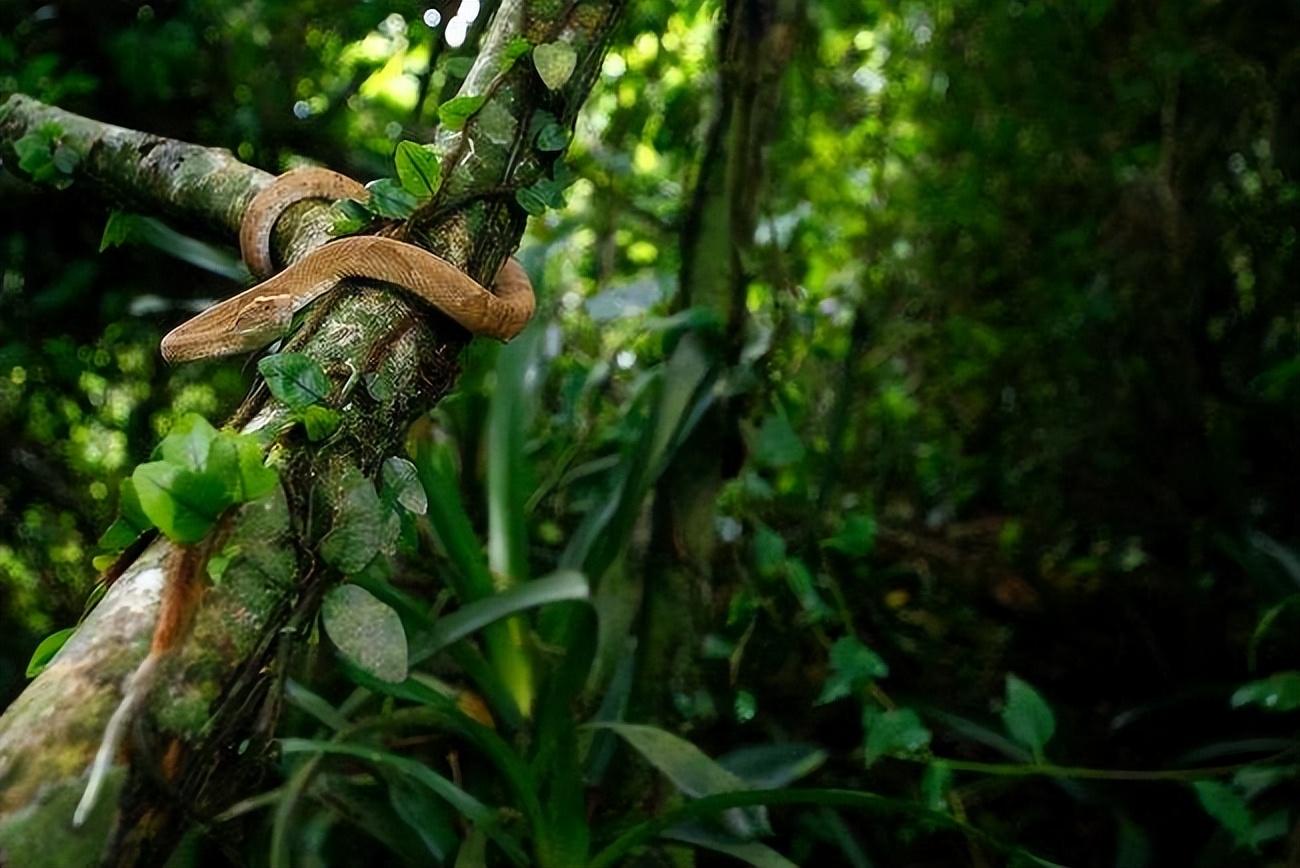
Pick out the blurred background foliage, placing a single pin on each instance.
(1019, 369)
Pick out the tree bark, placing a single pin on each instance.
(755, 41)
(204, 737)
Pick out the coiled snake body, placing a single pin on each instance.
(257, 316)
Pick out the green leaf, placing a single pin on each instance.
(188, 442)
(358, 531)
(1028, 717)
(45, 651)
(470, 807)
(898, 732)
(238, 459)
(749, 852)
(390, 199)
(455, 112)
(560, 585)
(348, 216)
(769, 551)
(853, 666)
(777, 444)
(131, 520)
(1225, 805)
(689, 768)
(857, 536)
(296, 379)
(1278, 692)
(935, 784)
(768, 766)
(552, 137)
(367, 631)
(402, 486)
(555, 62)
(319, 422)
(417, 169)
(118, 229)
(709, 806)
(182, 503)
(515, 49)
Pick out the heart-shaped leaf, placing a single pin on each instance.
(417, 169)
(555, 62)
(367, 631)
(296, 379)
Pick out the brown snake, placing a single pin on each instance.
(257, 316)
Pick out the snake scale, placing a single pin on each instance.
(259, 315)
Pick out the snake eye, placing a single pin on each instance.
(267, 317)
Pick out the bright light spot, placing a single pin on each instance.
(625, 359)
(432, 17)
(863, 40)
(468, 10)
(869, 80)
(614, 65)
(923, 34)
(571, 300)
(301, 109)
(98, 490)
(457, 29)
(18, 375)
(392, 26)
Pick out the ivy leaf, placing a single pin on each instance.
(402, 486)
(1225, 805)
(188, 443)
(769, 551)
(1028, 717)
(184, 504)
(777, 444)
(366, 631)
(517, 48)
(1278, 692)
(130, 522)
(935, 784)
(555, 62)
(347, 216)
(119, 229)
(857, 536)
(455, 112)
(358, 530)
(390, 199)
(238, 459)
(320, 422)
(853, 666)
(899, 732)
(45, 651)
(417, 169)
(296, 379)
(552, 137)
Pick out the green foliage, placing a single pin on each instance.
(201, 472)
(45, 651)
(554, 62)
(417, 169)
(454, 113)
(1028, 717)
(44, 156)
(1278, 692)
(368, 632)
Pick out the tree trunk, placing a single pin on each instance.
(756, 39)
(203, 739)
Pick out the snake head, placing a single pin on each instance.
(263, 319)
